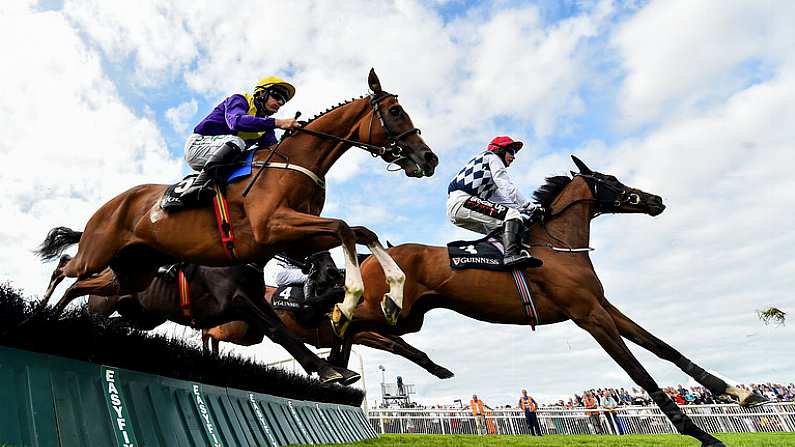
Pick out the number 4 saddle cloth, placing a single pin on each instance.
(485, 253)
(290, 297)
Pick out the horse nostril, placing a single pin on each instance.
(431, 158)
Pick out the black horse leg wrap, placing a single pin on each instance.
(670, 409)
(715, 385)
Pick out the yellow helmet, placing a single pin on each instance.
(275, 81)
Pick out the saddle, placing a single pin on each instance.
(172, 198)
(485, 253)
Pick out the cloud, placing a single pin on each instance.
(693, 103)
(180, 116)
(69, 143)
(679, 56)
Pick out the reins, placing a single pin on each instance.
(393, 149)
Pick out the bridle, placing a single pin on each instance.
(394, 148)
(606, 195)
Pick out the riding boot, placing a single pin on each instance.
(515, 256)
(201, 189)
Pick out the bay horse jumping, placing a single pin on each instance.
(218, 295)
(129, 237)
(216, 309)
(565, 288)
(321, 335)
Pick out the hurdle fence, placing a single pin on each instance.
(775, 417)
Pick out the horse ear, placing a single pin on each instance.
(389, 244)
(375, 84)
(581, 166)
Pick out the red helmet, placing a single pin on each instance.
(504, 143)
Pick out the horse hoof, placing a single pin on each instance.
(443, 373)
(339, 322)
(754, 400)
(329, 375)
(390, 309)
(348, 377)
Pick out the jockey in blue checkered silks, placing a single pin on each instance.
(482, 197)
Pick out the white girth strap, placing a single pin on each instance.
(318, 181)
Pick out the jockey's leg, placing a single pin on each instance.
(512, 235)
(213, 171)
(392, 302)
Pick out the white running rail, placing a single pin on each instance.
(776, 417)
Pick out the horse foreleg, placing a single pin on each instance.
(601, 326)
(269, 322)
(398, 346)
(315, 234)
(641, 337)
(392, 302)
(341, 351)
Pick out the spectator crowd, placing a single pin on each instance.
(696, 395)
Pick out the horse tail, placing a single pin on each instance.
(57, 240)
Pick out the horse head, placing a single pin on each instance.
(394, 131)
(612, 196)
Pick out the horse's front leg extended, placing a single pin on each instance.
(392, 303)
(311, 234)
(643, 338)
(342, 314)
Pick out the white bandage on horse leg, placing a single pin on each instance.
(354, 287)
(394, 276)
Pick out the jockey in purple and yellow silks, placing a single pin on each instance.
(235, 124)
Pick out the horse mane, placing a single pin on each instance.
(550, 190)
(333, 108)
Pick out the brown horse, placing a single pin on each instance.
(217, 295)
(126, 240)
(320, 335)
(565, 288)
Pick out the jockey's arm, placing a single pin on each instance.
(235, 113)
(507, 188)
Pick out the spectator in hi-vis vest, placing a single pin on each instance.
(479, 413)
(529, 406)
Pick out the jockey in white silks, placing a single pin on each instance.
(482, 197)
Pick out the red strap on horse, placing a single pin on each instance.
(525, 297)
(184, 294)
(221, 208)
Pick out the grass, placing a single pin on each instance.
(730, 439)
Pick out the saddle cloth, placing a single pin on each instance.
(485, 253)
(290, 297)
(172, 198)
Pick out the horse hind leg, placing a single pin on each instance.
(392, 302)
(55, 279)
(641, 337)
(599, 323)
(104, 284)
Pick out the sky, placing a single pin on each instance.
(694, 102)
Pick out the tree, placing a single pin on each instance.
(772, 315)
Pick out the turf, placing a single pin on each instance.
(730, 439)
